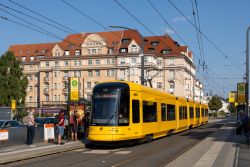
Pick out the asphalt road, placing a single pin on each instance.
(155, 154)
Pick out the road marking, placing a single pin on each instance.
(117, 151)
(237, 156)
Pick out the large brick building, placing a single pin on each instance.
(105, 56)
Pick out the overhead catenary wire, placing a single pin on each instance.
(209, 40)
(201, 41)
(35, 29)
(42, 16)
(197, 34)
(25, 14)
(172, 28)
(140, 22)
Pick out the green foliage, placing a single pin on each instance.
(215, 103)
(231, 107)
(13, 83)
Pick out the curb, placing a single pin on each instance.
(38, 152)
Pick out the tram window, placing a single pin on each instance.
(206, 112)
(123, 118)
(185, 112)
(136, 111)
(202, 112)
(181, 112)
(191, 112)
(197, 110)
(149, 111)
(170, 112)
(163, 112)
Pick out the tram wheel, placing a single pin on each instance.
(170, 133)
(148, 138)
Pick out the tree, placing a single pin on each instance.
(215, 103)
(231, 107)
(13, 83)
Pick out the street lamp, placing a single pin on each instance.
(142, 51)
(247, 72)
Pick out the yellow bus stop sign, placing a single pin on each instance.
(13, 104)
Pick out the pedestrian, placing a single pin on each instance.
(66, 124)
(60, 127)
(86, 122)
(74, 125)
(242, 123)
(31, 129)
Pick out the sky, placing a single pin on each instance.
(219, 53)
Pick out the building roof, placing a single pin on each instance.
(158, 45)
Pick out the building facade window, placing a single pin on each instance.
(77, 52)
(30, 98)
(66, 63)
(159, 85)
(111, 73)
(66, 53)
(88, 85)
(75, 62)
(171, 75)
(123, 50)
(97, 61)
(90, 63)
(90, 73)
(134, 49)
(97, 73)
(32, 58)
(122, 61)
(23, 59)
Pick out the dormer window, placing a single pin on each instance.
(32, 58)
(123, 50)
(125, 40)
(23, 59)
(111, 50)
(134, 48)
(166, 51)
(66, 53)
(77, 52)
(28, 51)
(155, 43)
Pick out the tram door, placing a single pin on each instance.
(135, 121)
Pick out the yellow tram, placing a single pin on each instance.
(124, 111)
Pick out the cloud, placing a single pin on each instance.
(167, 30)
(179, 19)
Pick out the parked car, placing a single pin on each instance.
(44, 120)
(9, 124)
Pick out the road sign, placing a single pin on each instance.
(13, 104)
(241, 92)
(74, 89)
(232, 96)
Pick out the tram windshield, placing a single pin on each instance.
(110, 109)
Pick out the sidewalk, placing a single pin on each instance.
(22, 152)
(222, 149)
